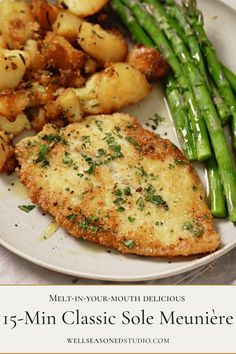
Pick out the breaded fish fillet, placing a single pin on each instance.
(109, 181)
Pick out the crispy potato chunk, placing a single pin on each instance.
(38, 118)
(12, 68)
(149, 61)
(70, 106)
(67, 25)
(104, 46)
(12, 103)
(60, 54)
(44, 13)
(117, 86)
(91, 66)
(21, 123)
(39, 95)
(16, 22)
(36, 60)
(6, 150)
(82, 8)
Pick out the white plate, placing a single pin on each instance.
(21, 233)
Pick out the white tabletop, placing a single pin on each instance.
(15, 270)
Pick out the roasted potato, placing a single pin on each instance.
(149, 61)
(82, 8)
(15, 128)
(117, 86)
(40, 95)
(91, 66)
(70, 106)
(36, 60)
(60, 54)
(38, 118)
(12, 67)
(67, 25)
(103, 45)
(16, 22)
(6, 149)
(12, 103)
(44, 13)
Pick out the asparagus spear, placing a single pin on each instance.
(183, 128)
(231, 77)
(128, 19)
(223, 156)
(217, 197)
(214, 65)
(222, 108)
(191, 41)
(198, 124)
(186, 138)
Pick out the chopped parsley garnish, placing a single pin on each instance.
(92, 164)
(119, 201)
(120, 209)
(118, 193)
(88, 159)
(129, 243)
(140, 203)
(91, 170)
(71, 217)
(194, 228)
(43, 151)
(155, 199)
(101, 152)
(84, 225)
(85, 139)
(141, 172)
(26, 208)
(93, 218)
(99, 124)
(131, 219)
(87, 224)
(132, 141)
(127, 191)
(157, 119)
(150, 190)
(67, 160)
(158, 200)
(110, 140)
(54, 138)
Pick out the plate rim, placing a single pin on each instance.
(135, 278)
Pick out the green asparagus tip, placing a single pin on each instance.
(191, 8)
(190, 5)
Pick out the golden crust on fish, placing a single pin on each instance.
(109, 181)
